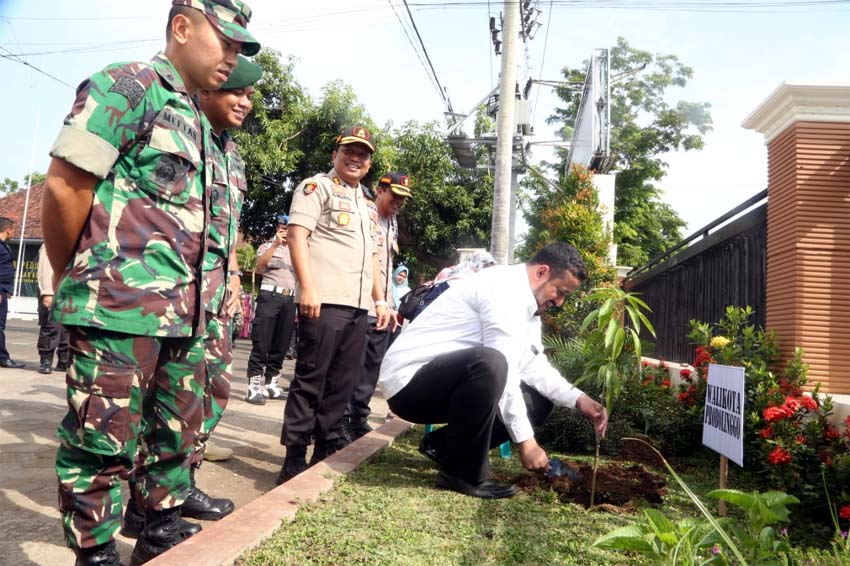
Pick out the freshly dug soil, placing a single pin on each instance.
(616, 484)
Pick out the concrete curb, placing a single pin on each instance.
(222, 543)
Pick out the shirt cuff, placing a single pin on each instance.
(85, 150)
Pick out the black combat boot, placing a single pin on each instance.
(294, 463)
(46, 365)
(101, 555)
(199, 505)
(325, 448)
(359, 427)
(161, 532)
(134, 522)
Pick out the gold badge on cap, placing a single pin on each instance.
(343, 219)
(361, 133)
(309, 188)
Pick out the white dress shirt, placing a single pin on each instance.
(495, 308)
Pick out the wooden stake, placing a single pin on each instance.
(724, 473)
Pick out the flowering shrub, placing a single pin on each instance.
(789, 440)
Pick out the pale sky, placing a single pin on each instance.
(738, 58)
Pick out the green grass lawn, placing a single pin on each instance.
(389, 512)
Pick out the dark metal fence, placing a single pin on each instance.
(724, 267)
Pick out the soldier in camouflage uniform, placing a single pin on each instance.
(130, 176)
(224, 108)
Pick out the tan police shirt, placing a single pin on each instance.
(387, 247)
(343, 224)
(278, 271)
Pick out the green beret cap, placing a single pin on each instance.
(245, 74)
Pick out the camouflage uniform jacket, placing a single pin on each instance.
(226, 197)
(343, 224)
(137, 265)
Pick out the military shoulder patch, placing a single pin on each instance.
(309, 188)
(129, 88)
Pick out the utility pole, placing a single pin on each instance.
(505, 127)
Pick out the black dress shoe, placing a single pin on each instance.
(484, 490)
(199, 505)
(102, 555)
(427, 449)
(10, 363)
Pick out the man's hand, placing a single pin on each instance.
(234, 300)
(382, 312)
(310, 304)
(394, 322)
(47, 300)
(595, 412)
(280, 237)
(532, 456)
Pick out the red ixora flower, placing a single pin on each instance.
(773, 414)
(847, 421)
(826, 459)
(779, 456)
(800, 438)
(791, 405)
(685, 374)
(808, 402)
(845, 512)
(831, 433)
(665, 383)
(766, 432)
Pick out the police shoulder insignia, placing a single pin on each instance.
(336, 181)
(309, 188)
(343, 219)
(129, 88)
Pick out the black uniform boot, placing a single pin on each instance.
(134, 522)
(46, 365)
(359, 427)
(101, 555)
(325, 448)
(199, 505)
(161, 532)
(294, 463)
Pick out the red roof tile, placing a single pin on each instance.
(12, 206)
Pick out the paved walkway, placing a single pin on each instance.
(31, 406)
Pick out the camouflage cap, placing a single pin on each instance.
(245, 74)
(355, 134)
(230, 17)
(398, 183)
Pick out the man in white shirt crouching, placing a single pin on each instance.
(462, 361)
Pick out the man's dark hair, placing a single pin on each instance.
(561, 257)
(190, 13)
(5, 223)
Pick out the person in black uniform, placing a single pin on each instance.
(7, 276)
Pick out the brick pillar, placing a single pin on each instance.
(807, 131)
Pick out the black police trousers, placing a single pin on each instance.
(329, 351)
(462, 389)
(52, 337)
(370, 366)
(274, 321)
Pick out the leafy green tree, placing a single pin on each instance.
(451, 206)
(9, 186)
(269, 142)
(645, 126)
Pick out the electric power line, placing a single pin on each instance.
(12, 57)
(428, 58)
(542, 61)
(415, 50)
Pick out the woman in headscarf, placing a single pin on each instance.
(400, 283)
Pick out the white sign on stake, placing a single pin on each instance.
(723, 425)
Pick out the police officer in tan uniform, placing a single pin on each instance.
(333, 227)
(275, 317)
(392, 192)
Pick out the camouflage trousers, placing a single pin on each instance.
(126, 394)
(218, 358)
